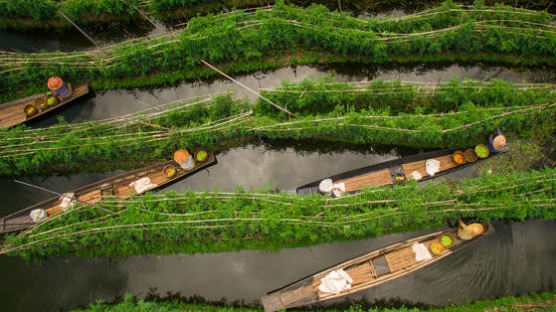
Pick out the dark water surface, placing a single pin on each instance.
(118, 102)
(517, 259)
(250, 167)
(70, 39)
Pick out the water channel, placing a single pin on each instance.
(516, 259)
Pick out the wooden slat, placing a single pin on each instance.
(290, 297)
(12, 113)
(371, 179)
(400, 259)
(446, 163)
(361, 274)
(92, 193)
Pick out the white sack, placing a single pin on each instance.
(325, 186)
(416, 175)
(68, 199)
(432, 166)
(421, 252)
(142, 185)
(36, 215)
(335, 282)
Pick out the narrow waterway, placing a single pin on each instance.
(517, 259)
(70, 39)
(250, 167)
(118, 102)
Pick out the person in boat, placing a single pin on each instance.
(468, 232)
(497, 142)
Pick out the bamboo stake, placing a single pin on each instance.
(248, 89)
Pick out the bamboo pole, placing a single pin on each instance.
(247, 88)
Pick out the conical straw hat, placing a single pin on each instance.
(499, 142)
(54, 83)
(476, 228)
(181, 156)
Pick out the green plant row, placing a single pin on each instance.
(488, 34)
(459, 113)
(74, 9)
(216, 221)
(28, 14)
(533, 302)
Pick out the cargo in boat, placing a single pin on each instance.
(421, 167)
(120, 186)
(19, 111)
(375, 268)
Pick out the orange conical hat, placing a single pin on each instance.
(54, 83)
(181, 156)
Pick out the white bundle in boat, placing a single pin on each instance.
(432, 166)
(142, 185)
(36, 215)
(335, 282)
(326, 186)
(68, 199)
(416, 175)
(421, 252)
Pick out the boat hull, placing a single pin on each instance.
(117, 186)
(368, 270)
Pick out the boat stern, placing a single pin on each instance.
(272, 302)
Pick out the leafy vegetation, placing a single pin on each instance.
(216, 221)
(95, 11)
(75, 9)
(533, 302)
(254, 40)
(459, 113)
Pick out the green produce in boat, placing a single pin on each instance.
(482, 151)
(446, 240)
(201, 155)
(52, 101)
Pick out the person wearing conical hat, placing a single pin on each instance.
(497, 142)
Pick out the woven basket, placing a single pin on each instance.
(470, 155)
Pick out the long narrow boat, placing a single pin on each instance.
(12, 113)
(369, 270)
(390, 172)
(118, 186)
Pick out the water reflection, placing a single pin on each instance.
(250, 167)
(516, 259)
(119, 102)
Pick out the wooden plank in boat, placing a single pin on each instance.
(446, 163)
(12, 114)
(371, 179)
(400, 259)
(361, 274)
(295, 296)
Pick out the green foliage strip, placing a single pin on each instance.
(522, 37)
(216, 221)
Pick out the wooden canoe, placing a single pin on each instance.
(12, 114)
(117, 186)
(385, 173)
(366, 271)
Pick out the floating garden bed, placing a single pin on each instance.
(249, 41)
(215, 221)
(382, 113)
(533, 302)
